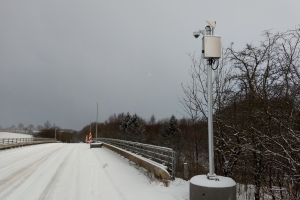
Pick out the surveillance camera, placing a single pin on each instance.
(196, 34)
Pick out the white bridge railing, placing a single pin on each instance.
(162, 155)
(22, 140)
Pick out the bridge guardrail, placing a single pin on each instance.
(5, 141)
(162, 155)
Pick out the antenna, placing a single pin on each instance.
(211, 23)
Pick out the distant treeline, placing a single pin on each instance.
(66, 136)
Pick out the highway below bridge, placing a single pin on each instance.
(74, 171)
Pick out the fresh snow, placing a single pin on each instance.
(74, 171)
(161, 166)
(221, 182)
(14, 135)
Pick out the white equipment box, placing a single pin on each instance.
(212, 46)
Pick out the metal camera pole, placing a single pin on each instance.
(211, 186)
(96, 122)
(211, 174)
(90, 125)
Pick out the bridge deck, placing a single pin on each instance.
(74, 171)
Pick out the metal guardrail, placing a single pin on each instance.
(5, 141)
(162, 155)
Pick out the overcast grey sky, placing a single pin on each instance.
(59, 57)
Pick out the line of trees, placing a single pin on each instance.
(62, 135)
(21, 128)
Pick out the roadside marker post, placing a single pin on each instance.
(90, 138)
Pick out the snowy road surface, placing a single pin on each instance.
(74, 171)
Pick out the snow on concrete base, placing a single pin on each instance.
(222, 181)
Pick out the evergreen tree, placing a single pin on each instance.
(125, 123)
(134, 126)
(168, 131)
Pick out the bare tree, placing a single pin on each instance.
(47, 125)
(152, 120)
(39, 127)
(20, 126)
(30, 128)
(263, 112)
(13, 128)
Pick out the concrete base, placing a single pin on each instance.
(223, 188)
(96, 145)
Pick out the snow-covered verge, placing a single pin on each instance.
(157, 169)
(246, 192)
(14, 135)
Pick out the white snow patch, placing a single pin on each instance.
(14, 135)
(74, 171)
(163, 167)
(222, 181)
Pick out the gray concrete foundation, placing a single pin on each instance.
(96, 145)
(223, 188)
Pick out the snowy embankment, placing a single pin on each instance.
(13, 140)
(159, 170)
(74, 171)
(14, 135)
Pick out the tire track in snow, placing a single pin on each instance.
(102, 167)
(75, 195)
(20, 157)
(15, 180)
(95, 174)
(50, 186)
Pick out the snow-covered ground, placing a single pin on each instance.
(14, 135)
(74, 171)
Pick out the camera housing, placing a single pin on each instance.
(196, 34)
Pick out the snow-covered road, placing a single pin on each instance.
(74, 171)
